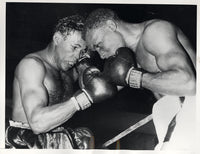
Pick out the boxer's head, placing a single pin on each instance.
(101, 32)
(68, 41)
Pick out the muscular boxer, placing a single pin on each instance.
(43, 96)
(153, 54)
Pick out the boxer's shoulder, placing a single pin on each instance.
(156, 26)
(30, 63)
(155, 35)
(32, 58)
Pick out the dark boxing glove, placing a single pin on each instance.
(122, 69)
(96, 88)
(83, 63)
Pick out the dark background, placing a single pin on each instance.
(29, 28)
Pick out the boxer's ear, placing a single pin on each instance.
(57, 37)
(111, 24)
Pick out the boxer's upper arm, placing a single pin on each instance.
(160, 39)
(75, 74)
(30, 74)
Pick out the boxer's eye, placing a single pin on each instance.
(98, 46)
(75, 47)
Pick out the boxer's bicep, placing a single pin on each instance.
(168, 52)
(33, 92)
(176, 75)
(172, 61)
(173, 57)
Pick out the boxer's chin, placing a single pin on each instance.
(66, 66)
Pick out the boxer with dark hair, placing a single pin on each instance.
(153, 54)
(43, 94)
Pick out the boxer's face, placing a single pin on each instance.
(104, 41)
(68, 50)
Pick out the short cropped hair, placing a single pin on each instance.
(69, 24)
(97, 18)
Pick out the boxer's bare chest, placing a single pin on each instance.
(59, 86)
(146, 60)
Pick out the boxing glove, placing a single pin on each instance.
(96, 88)
(122, 69)
(81, 66)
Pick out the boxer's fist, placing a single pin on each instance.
(97, 85)
(121, 69)
(96, 88)
(82, 64)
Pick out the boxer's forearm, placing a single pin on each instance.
(47, 118)
(170, 83)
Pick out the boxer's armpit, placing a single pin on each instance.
(55, 97)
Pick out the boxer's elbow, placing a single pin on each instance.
(191, 87)
(189, 84)
(37, 125)
(36, 128)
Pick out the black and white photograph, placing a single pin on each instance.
(103, 76)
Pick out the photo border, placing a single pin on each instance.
(2, 76)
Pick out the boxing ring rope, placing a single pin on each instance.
(128, 130)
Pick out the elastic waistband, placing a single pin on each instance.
(19, 124)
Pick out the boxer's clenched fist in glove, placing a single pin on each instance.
(85, 61)
(122, 70)
(96, 88)
(81, 66)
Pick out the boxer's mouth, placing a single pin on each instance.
(71, 64)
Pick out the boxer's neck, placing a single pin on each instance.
(131, 33)
(49, 55)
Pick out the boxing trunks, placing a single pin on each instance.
(174, 121)
(20, 136)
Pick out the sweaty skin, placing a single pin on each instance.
(161, 49)
(43, 84)
(169, 63)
